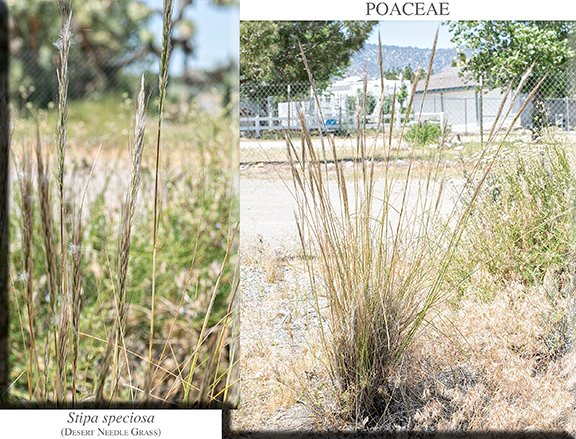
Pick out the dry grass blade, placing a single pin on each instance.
(27, 273)
(163, 84)
(46, 220)
(128, 214)
(130, 203)
(44, 191)
(77, 279)
(62, 332)
(64, 312)
(203, 332)
(116, 335)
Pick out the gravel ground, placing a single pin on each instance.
(267, 213)
(277, 337)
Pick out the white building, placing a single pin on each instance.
(458, 99)
(354, 85)
(338, 101)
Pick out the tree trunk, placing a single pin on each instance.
(539, 115)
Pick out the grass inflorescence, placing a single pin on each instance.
(380, 246)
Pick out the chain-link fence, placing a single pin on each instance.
(466, 110)
(33, 76)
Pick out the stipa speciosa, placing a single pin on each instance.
(116, 334)
(65, 280)
(64, 264)
(25, 182)
(44, 191)
(56, 262)
(162, 85)
(61, 344)
(95, 285)
(378, 245)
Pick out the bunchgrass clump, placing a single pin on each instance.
(378, 247)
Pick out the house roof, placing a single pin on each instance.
(447, 79)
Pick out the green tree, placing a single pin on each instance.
(402, 95)
(109, 35)
(369, 101)
(269, 51)
(408, 74)
(392, 74)
(498, 53)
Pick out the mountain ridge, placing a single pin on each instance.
(397, 57)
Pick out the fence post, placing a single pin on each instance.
(4, 160)
(340, 113)
(311, 110)
(270, 112)
(567, 104)
(257, 125)
(481, 112)
(465, 116)
(289, 105)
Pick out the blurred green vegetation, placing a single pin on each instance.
(197, 251)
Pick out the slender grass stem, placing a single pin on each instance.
(163, 84)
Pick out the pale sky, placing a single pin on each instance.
(412, 33)
(217, 34)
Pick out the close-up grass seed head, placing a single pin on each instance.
(123, 265)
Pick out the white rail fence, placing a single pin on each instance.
(256, 125)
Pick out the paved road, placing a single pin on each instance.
(267, 207)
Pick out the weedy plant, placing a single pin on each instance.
(100, 316)
(524, 222)
(378, 245)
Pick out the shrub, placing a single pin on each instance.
(424, 133)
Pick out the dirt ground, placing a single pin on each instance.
(267, 205)
(476, 378)
(277, 319)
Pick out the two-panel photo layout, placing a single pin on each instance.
(317, 226)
